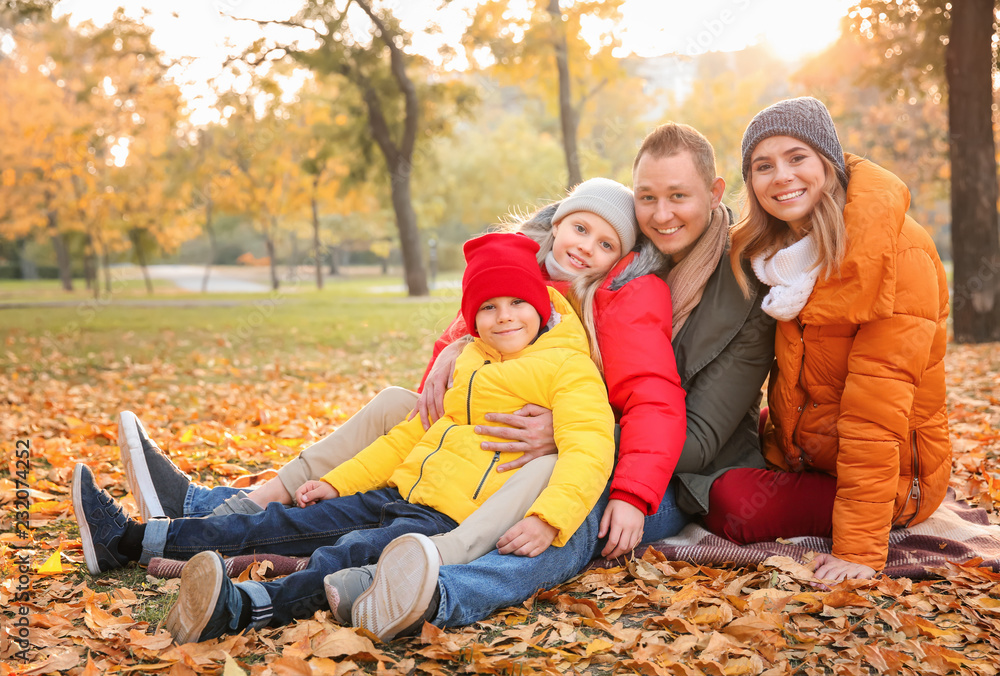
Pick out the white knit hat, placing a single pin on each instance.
(610, 200)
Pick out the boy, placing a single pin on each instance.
(529, 348)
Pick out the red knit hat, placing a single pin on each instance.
(502, 264)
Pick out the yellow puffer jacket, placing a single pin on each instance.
(859, 389)
(446, 469)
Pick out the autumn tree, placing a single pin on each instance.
(545, 52)
(903, 132)
(265, 178)
(402, 101)
(953, 43)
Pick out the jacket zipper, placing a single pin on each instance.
(915, 486)
(468, 419)
(428, 457)
(796, 432)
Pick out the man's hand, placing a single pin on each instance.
(313, 491)
(830, 568)
(528, 537)
(530, 433)
(430, 402)
(623, 524)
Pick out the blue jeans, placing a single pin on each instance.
(472, 592)
(201, 500)
(335, 534)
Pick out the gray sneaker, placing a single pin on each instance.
(157, 484)
(344, 587)
(404, 591)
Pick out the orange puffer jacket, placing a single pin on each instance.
(859, 390)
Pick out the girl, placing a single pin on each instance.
(857, 429)
(584, 239)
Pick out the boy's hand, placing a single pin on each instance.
(313, 491)
(528, 537)
(623, 524)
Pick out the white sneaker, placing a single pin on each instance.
(404, 593)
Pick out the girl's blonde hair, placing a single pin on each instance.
(582, 290)
(758, 232)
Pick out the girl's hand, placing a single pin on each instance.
(430, 402)
(530, 429)
(313, 491)
(830, 568)
(623, 524)
(528, 537)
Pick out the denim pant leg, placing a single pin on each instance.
(276, 530)
(668, 519)
(201, 500)
(473, 591)
(301, 594)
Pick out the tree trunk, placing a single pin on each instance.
(211, 245)
(317, 244)
(409, 236)
(62, 255)
(567, 115)
(90, 280)
(269, 243)
(106, 266)
(135, 236)
(975, 237)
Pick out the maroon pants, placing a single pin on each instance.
(759, 505)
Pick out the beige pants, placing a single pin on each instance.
(475, 536)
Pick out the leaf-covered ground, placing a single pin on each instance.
(219, 414)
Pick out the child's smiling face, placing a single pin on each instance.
(585, 243)
(507, 324)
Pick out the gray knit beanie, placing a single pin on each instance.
(610, 200)
(803, 118)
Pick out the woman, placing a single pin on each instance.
(857, 432)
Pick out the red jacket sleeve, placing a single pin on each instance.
(455, 330)
(644, 388)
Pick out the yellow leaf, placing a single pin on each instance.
(598, 645)
(53, 564)
(231, 668)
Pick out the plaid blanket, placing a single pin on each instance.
(956, 532)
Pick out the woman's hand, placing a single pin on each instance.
(530, 431)
(830, 568)
(313, 491)
(622, 523)
(528, 537)
(430, 402)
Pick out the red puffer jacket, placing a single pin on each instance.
(633, 331)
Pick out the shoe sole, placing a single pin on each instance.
(194, 605)
(403, 586)
(140, 482)
(86, 539)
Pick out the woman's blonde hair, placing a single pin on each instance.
(759, 232)
(582, 290)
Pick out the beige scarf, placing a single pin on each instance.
(687, 279)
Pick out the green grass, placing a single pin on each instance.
(340, 325)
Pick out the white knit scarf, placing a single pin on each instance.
(791, 273)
